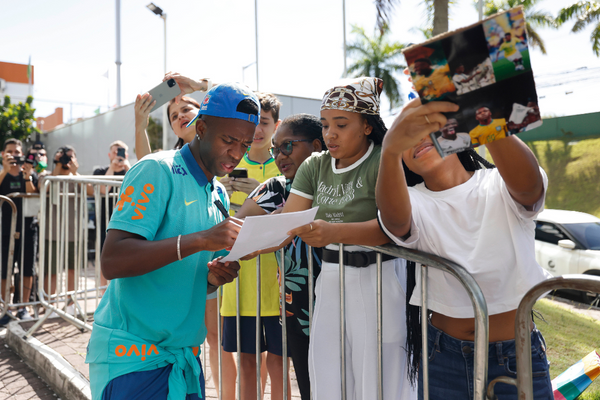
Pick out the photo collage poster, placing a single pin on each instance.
(486, 70)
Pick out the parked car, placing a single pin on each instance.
(568, 242)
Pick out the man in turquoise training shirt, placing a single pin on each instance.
(166, 228)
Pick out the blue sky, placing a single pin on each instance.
(72, 45)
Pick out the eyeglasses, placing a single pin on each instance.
(286, 148)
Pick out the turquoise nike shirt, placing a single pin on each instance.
(162, 196)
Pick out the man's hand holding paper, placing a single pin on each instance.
(268, 231)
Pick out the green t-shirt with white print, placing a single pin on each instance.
(342, 194)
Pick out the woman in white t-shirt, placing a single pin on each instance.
(481, 219)
(341, 182)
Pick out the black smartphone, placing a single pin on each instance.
(121, 152)
(20, 160)
(164, 93)
(239, 173)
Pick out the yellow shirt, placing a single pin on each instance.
(509, 48)
(483, 134)
(436, 84)
(268, 264)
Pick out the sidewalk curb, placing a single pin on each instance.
(65, 380)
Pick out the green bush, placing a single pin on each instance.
(16, 120)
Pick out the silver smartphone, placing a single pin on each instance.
(164, 93)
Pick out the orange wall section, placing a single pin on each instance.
(16, 73)
(51, 121)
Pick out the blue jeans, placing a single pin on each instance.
(451, 367)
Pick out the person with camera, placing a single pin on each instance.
(17, 176)
(65, 163)
(118, 165)
(38, 158)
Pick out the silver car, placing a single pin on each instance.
(568, 242)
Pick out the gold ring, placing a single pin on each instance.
(427, 119)
(310, 226)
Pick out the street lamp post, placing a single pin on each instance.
(158, 11)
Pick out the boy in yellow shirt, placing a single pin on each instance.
(261, 167)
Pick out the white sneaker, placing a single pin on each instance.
(71, 310)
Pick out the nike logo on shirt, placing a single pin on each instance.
(188, 203)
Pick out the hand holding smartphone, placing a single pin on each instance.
(164, 93)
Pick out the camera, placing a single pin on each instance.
(20, 160)
(171, 82)
(64, 159)
(30, 159)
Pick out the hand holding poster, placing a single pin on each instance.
(485, 69)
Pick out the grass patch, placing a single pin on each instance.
(573, 174)
(569, 337)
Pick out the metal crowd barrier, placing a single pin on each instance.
(524, 380)
(428, 261)
(30, 209)
(11, 251)
(64, 207)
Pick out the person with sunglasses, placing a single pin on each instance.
(260, 166)
(341, 182)
(295, 140)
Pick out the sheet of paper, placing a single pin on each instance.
(266, 231)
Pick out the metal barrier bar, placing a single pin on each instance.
(524, 381)
(424, 332)
(283, 324)
(67, 202)
(11, 252)
(379, 327)
(219, 336)
(479, 308)
(238, 339)
(258, 331)
(342, 321)
(30, 207)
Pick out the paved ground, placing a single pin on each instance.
(71, 343)
(17, 380)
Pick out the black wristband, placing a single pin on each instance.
(210, 288)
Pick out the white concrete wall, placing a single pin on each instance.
(92, 137)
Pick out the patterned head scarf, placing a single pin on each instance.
(360, 95)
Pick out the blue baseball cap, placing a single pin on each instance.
(224, 100)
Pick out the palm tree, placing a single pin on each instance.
(376, 56)
(585, 13)
(533, 18)
(436, 14)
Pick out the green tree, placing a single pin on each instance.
(377, 56)
(534, 19)
(154, 131)
(584, 13)
(16, 120)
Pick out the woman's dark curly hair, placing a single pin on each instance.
(471, 161)
(379, 129)
(306, 126)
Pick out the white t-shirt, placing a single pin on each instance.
(462, 141)
(481, 227)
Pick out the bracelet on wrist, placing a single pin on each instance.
(210, 288)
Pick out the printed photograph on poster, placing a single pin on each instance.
(486, 70)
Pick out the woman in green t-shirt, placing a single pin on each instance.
(341, 182)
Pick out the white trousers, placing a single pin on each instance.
(361, 334)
